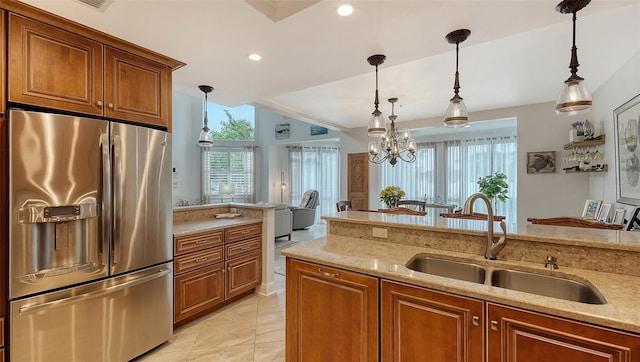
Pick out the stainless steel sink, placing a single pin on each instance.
(448, 268)
(547, 285)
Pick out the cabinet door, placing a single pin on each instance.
(197, 291)
(416, 322)
(136, 89)
(243, 274)
(523, 336)
(53, 68)
(3, 62)
(332, 314)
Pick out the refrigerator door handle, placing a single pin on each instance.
(28, 309)
(117, 199)
(105, 146)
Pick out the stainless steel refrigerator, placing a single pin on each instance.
(90, 238)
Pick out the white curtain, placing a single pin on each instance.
(417, 179)
(316, 168)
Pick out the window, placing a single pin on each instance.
(235, 124)
(229, 165)
(448, 171)
(316, 168)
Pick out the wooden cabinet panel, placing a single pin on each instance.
(3, 62)
(243, 247)
(198, 291)
(136, 89)
(53, 68)
(243, 274)
(198, 259)
(243, 232)
(332, 314)
(417, 322)
(186, 244)
(523, 336)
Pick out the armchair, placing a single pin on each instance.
(305, 214)
(283, 224)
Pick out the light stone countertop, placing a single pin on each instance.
(202, 226)
(388, 261)
(601, 238)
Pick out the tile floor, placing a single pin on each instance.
(251, 329)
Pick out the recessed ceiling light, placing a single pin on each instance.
(255, 57)
(345, 10)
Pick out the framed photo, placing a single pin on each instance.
(618, 216)
(591, 209)
(541, 162)
(318, 130)
(626, 119)
(603, 214)
(283, 131)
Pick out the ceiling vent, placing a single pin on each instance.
(100, 5)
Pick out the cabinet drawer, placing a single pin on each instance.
(198, 259)
(243, 232)
(243, 247)
(197, 242)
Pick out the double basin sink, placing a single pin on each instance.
(522, 281)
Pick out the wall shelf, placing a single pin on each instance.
(604, 168)
(597, 141)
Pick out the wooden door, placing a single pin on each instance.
(417, 323)
(198, 291)
(53, 68)
(358, 180)
(523, 336)
(332, 314)
(136, 89)
(243, 274)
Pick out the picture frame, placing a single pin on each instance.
(627, 153)
(591, 209)
(603, 214)
(541, 162)
(318, 130)
(634, 223)
(283, 131)
(618, 216)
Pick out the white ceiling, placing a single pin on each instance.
(314, 62)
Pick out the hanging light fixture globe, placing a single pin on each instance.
(205, 139)
(456, 115)
(574, 98)
(377, 126)
(390, 147)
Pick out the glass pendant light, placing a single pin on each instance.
(205, 139)
(456, 115)
(376, 123)
(575, 96)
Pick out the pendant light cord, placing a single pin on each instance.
(376, 102)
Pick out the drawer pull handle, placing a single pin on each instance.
(327, 274)
(494, 325)
(475, 320)
(246, 247)
(202, 241)
(201, 260)
(245, 232)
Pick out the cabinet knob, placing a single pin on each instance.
(110, 105)
(475, 320)
(494, 325)
(99, 103)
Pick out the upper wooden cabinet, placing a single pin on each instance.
(58, 69)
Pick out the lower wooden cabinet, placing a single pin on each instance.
(243, 274)
(198, 291)
(332, 314)
(418, 322)
(523, 336)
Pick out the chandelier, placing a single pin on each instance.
(575, 96)
(389, 146)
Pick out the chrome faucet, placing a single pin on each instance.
(492, 248)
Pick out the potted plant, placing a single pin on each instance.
(390, 196)
(494, 187)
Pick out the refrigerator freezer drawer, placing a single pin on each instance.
(111, 320)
